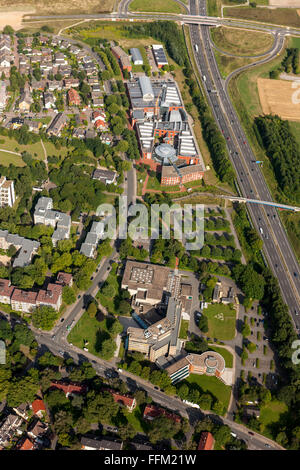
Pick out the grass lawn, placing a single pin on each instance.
(12, 145)
(221, 321)
(183, 329)
(7, 158)
(227, 64)
(87, 330)
(270, 416)
(228, 357)
(166, 6)
(213, 385)
(136, 420)
(239, 42)
(214, 7)
(108, 303)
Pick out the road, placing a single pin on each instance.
(250, 180)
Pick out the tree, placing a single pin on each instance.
(203, 323)
(68, 295)
(8, 30)
(44, 317)
(92, 310)
(162, 428)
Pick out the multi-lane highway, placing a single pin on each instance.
(250, 180)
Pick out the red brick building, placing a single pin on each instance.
(73, 97)
(206, 441)
(152, 412)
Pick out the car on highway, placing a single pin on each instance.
(61, 353)
(61, 320)
(251, 433)
(79, 297)
(268, 446)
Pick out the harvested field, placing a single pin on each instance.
(285, 3)
(280, 97)
(59, 7)
(13, 18)
(280, 16)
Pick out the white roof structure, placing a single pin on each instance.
(146, 87)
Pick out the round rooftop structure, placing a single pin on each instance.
(165, 154)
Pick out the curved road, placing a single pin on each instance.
(250, 180)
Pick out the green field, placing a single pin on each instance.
(85, 329)
(239, 42)
(11, 144)
(108, 303)
(136, 420)
(165, 6)
(270, 416)
(183, 333)
(221, 321)
(228, 357)
(213, 385)
(214, 7)
(227, 64)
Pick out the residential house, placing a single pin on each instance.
(57, 124)
(25, 101)
(54, 85)
(69, 388)
(49, 100)
(38, 407)
(73, 97)
(105, 176)
(25, 444)
(101, 444)
(22, 410)
(52, 297)
(152, 411)
(88, 248)
(23, 301)
(7, 192)
(9, 427)
(6, 290)
(71, 83)
(26, 248)
(206, 441)
(3, 95)
(44, 214)
(64, 279)
(37, 429)
(124, 400)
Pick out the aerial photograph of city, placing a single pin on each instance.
(149, 228)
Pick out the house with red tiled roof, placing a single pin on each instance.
(38, 407)
(69, 388)
(152, 411)
(73, 97)
(6, 290)
(64, 279)
(24, 301)
(125, 400)
(52, 297)
(25, 444)
(206, 441)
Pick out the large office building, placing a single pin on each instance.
(7, 192)
(160, 289)
(209, 363)
(166, 139)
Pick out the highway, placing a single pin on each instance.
(250, 180)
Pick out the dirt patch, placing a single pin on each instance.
(284, 3)
(59, 7)
(5, 260)
(280, 97)
(13, 18)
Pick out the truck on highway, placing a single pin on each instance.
(196, 47)
(261, 230)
